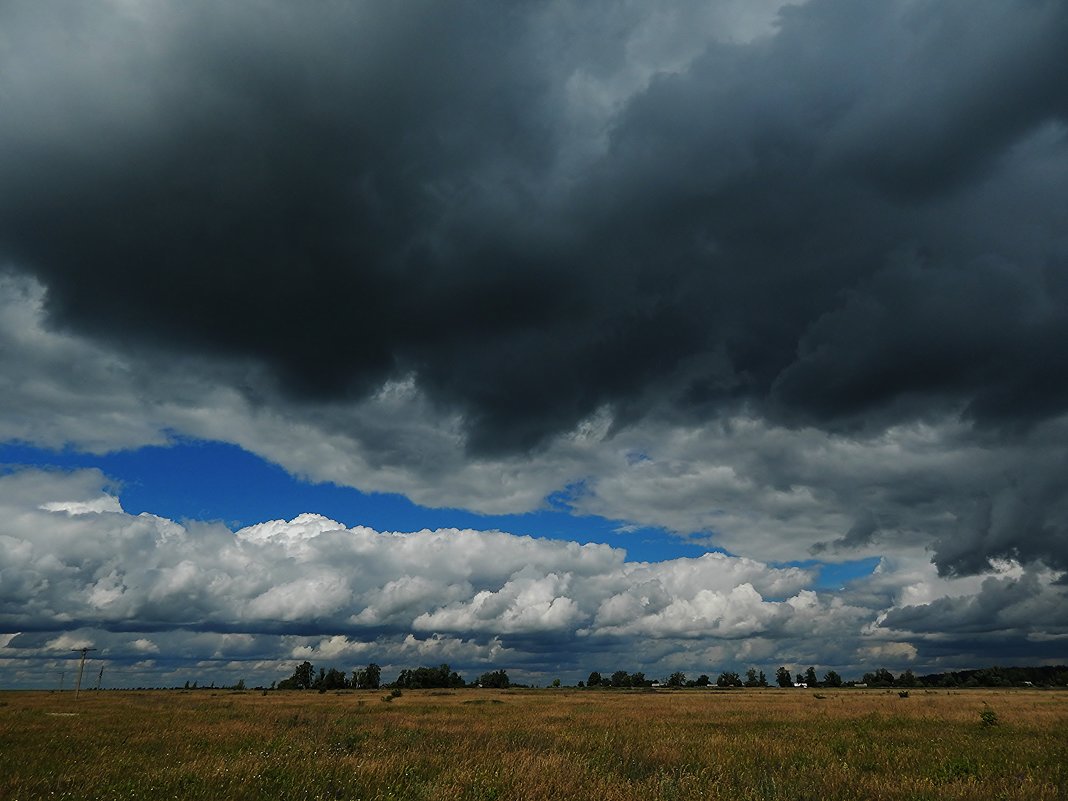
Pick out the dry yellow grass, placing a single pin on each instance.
(544, 744)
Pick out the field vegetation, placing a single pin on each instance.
(536, 744)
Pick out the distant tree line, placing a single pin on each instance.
(239, 686)
(370, 678)
(426, 678)
(753, 678)
(1039, 676)
(1043, 676)
(305, 677)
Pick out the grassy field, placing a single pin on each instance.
(537, 744)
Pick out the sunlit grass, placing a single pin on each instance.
(544, 744)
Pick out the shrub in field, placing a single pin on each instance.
(988, 717)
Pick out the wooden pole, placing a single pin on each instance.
(81, 667)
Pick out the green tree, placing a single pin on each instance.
(728, 679)
(301, 679)
(993, 677)
(370, 678)
(621, 679)
(497, 679)
(751, 679)
(594, 680)
(782, 677)
(880, 678)
(677, 679)
(456, 680)
(832, 679)
(702, 681)
(763, 680)
(333, 679)
(428, 678)
(810, 677)
(637, 679)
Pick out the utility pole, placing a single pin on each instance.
(62, 673)
(81, 667)
(99, 676)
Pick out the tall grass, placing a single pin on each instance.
(481, 744)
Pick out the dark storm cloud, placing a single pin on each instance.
(196, 191)
(856, 221)
(1025, 520)
(222, 167)
(1010, 618)
(839, 285)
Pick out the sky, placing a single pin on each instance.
(550, 337)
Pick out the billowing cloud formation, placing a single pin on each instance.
(85, 562)
(77, 568)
